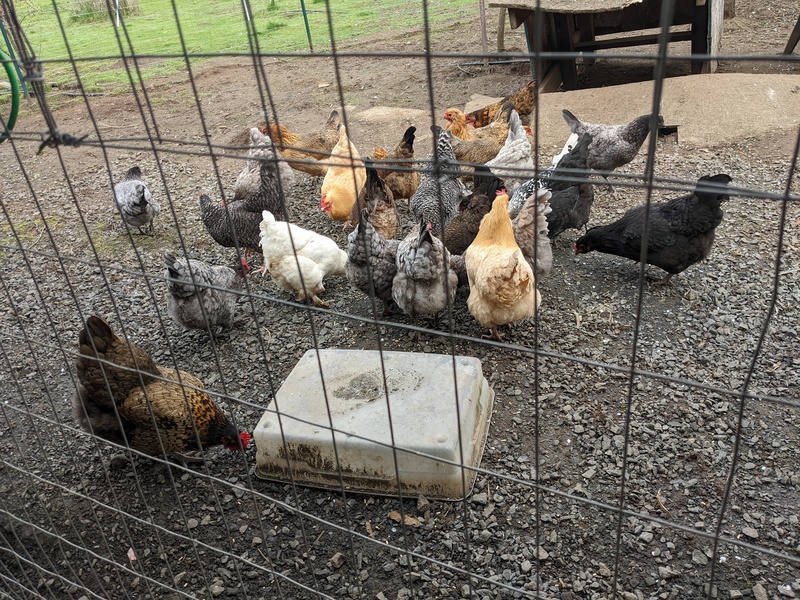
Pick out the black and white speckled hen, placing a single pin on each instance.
(371, 260)
(425, 283)
(248, 181)
(436, 199)
(681, 231)
(199, 296)
(135, 202)
(230, 224)
(161, 408)
(612, 145)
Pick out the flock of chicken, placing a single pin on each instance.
(493, 236)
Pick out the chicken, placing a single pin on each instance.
(162, 408)
(513, 163)
(398, 170)
(457, 124)
(230, 224)
(249, 179)
(135, 202)
(198, 292)
(299, 259)
(439, 192)
(303, 151)
(572, 196)
(612, 145)
(524, 101)
(425, 284)
(377, 199)
(462, 229)
(502, 288)
(681, 231)
(344, 179)
(530, 233)
(485, 146)
(371, 260)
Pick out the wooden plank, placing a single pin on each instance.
(565, 6)
(634, 40)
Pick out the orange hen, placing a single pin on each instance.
(524, 100)
(302, 151)
(344, 179)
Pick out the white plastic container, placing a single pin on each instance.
(419, 433)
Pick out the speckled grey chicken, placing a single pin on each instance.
(612, 145)
(135, 202)
(530, 232)
(148, 407)
(244, 223)
(439, 191)
(425, 283)
(199, 296)
(680, 232)
(249, 178)
(371, 260)
(513, 164)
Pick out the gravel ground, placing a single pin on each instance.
(572, 434)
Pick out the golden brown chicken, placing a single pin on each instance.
(302, 151)
(377, 199)
(502, 288)
(344, 179)
(398, 172)
(144, 412)
(484, 147)
(457, 124)
(524, 100)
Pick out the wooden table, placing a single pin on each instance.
(573, 26)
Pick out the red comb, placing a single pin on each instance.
(245, 437)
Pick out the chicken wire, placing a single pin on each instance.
(75, 527)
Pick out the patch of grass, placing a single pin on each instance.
(206, 29)
(28, 232)
(89, 11)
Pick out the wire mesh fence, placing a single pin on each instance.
(641, 441)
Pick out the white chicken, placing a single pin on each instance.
(299, 259)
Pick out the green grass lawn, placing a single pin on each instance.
(208, 27)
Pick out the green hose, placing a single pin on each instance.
(12, 78)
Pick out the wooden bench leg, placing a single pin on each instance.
(700, 18)
(564, 31)
(793, 39)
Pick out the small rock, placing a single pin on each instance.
(646, 537)
(759, 593)
(786, 591)
(699, 557)
(604, 570)
(542, 554)
(216, 589)
(481, 498)
(750, 532)
(423, 505)
(666, 572)
(735, 594)
(525, 566)
(192, 523)
(337, 560)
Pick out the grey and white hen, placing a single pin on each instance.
(249, 179)
(612, 145)
(513, 164)
(425, 283)
(440, 190)
(371, 260)
(198, 292)
(135, 202)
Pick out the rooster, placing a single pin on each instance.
(299, 259)
(135, 202)
(200, 294)
(680, 234)
(305, 151)
(439, 192)
(524, 101)
(344, 179)
(425, 284)
(152, 409)
(502, 287)
(612, 145)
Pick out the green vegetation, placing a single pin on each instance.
(208, 27)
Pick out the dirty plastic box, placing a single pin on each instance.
(415, 412)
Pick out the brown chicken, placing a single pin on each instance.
(457, 124)
(524, 100)
(124, 399)
(344, 179)
(485, 147)
(377, 199)
(303, 151)
(398, 172)
(462, 229)
(502, 288)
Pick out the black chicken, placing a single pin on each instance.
(681, 231)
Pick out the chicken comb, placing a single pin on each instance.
(245, 438)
